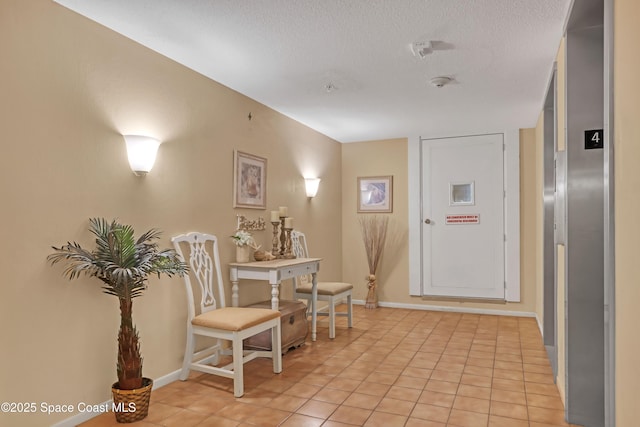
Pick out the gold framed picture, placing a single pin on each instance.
(375, 194)
(249, 181)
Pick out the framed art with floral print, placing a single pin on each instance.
(375, 194)
(249, 181)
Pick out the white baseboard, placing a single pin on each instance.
(451, 309)
(86, 416)
(539, 324)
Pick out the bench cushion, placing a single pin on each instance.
(235, 318)
(325, 288)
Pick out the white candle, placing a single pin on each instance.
(288, 222)
(274, 216)
(283, 211)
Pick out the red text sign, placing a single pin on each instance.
(463, 219)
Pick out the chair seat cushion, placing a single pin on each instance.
(325, 288)
(235, 318)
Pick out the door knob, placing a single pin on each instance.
(427, 221)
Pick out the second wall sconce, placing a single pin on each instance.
(141, 151)
(311, 185)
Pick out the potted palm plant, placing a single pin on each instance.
(123, 264)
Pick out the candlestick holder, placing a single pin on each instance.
(283, 239)
(287, 252)
(274, 242)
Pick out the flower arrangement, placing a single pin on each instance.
(244, 238)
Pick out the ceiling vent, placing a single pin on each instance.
(421, 49)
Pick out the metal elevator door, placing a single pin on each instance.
(550, 323)
(584, 309)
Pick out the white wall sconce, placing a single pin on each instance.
(141, 151)
(311, 185)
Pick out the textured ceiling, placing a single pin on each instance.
(285, 53)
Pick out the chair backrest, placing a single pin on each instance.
(299, 249)
(203, 268)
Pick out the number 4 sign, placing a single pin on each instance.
(593, 139)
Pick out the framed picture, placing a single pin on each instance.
(375, 194)
(249, 181)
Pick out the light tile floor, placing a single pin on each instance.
(395, 367)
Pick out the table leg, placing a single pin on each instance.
(314, 303)
(234, 286)
(275, 292)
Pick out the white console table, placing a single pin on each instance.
(274, 272)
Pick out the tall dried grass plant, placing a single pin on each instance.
(374, 235)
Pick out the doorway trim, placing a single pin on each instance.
(609, 225)
(549, 215)
(475, 163)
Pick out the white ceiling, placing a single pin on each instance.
(284, 53)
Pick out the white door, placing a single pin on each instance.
(463, 217)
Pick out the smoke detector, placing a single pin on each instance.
(421, 49)
(440, 81)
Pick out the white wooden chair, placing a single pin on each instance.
(212, 319)
(332, 292)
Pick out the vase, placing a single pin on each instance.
(372, 294)
(243, 253)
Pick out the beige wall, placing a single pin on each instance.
(627, 206)
(529, 227)
(389, 157)
(69, 89)
(376, 158)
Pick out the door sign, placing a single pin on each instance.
(462, 219)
